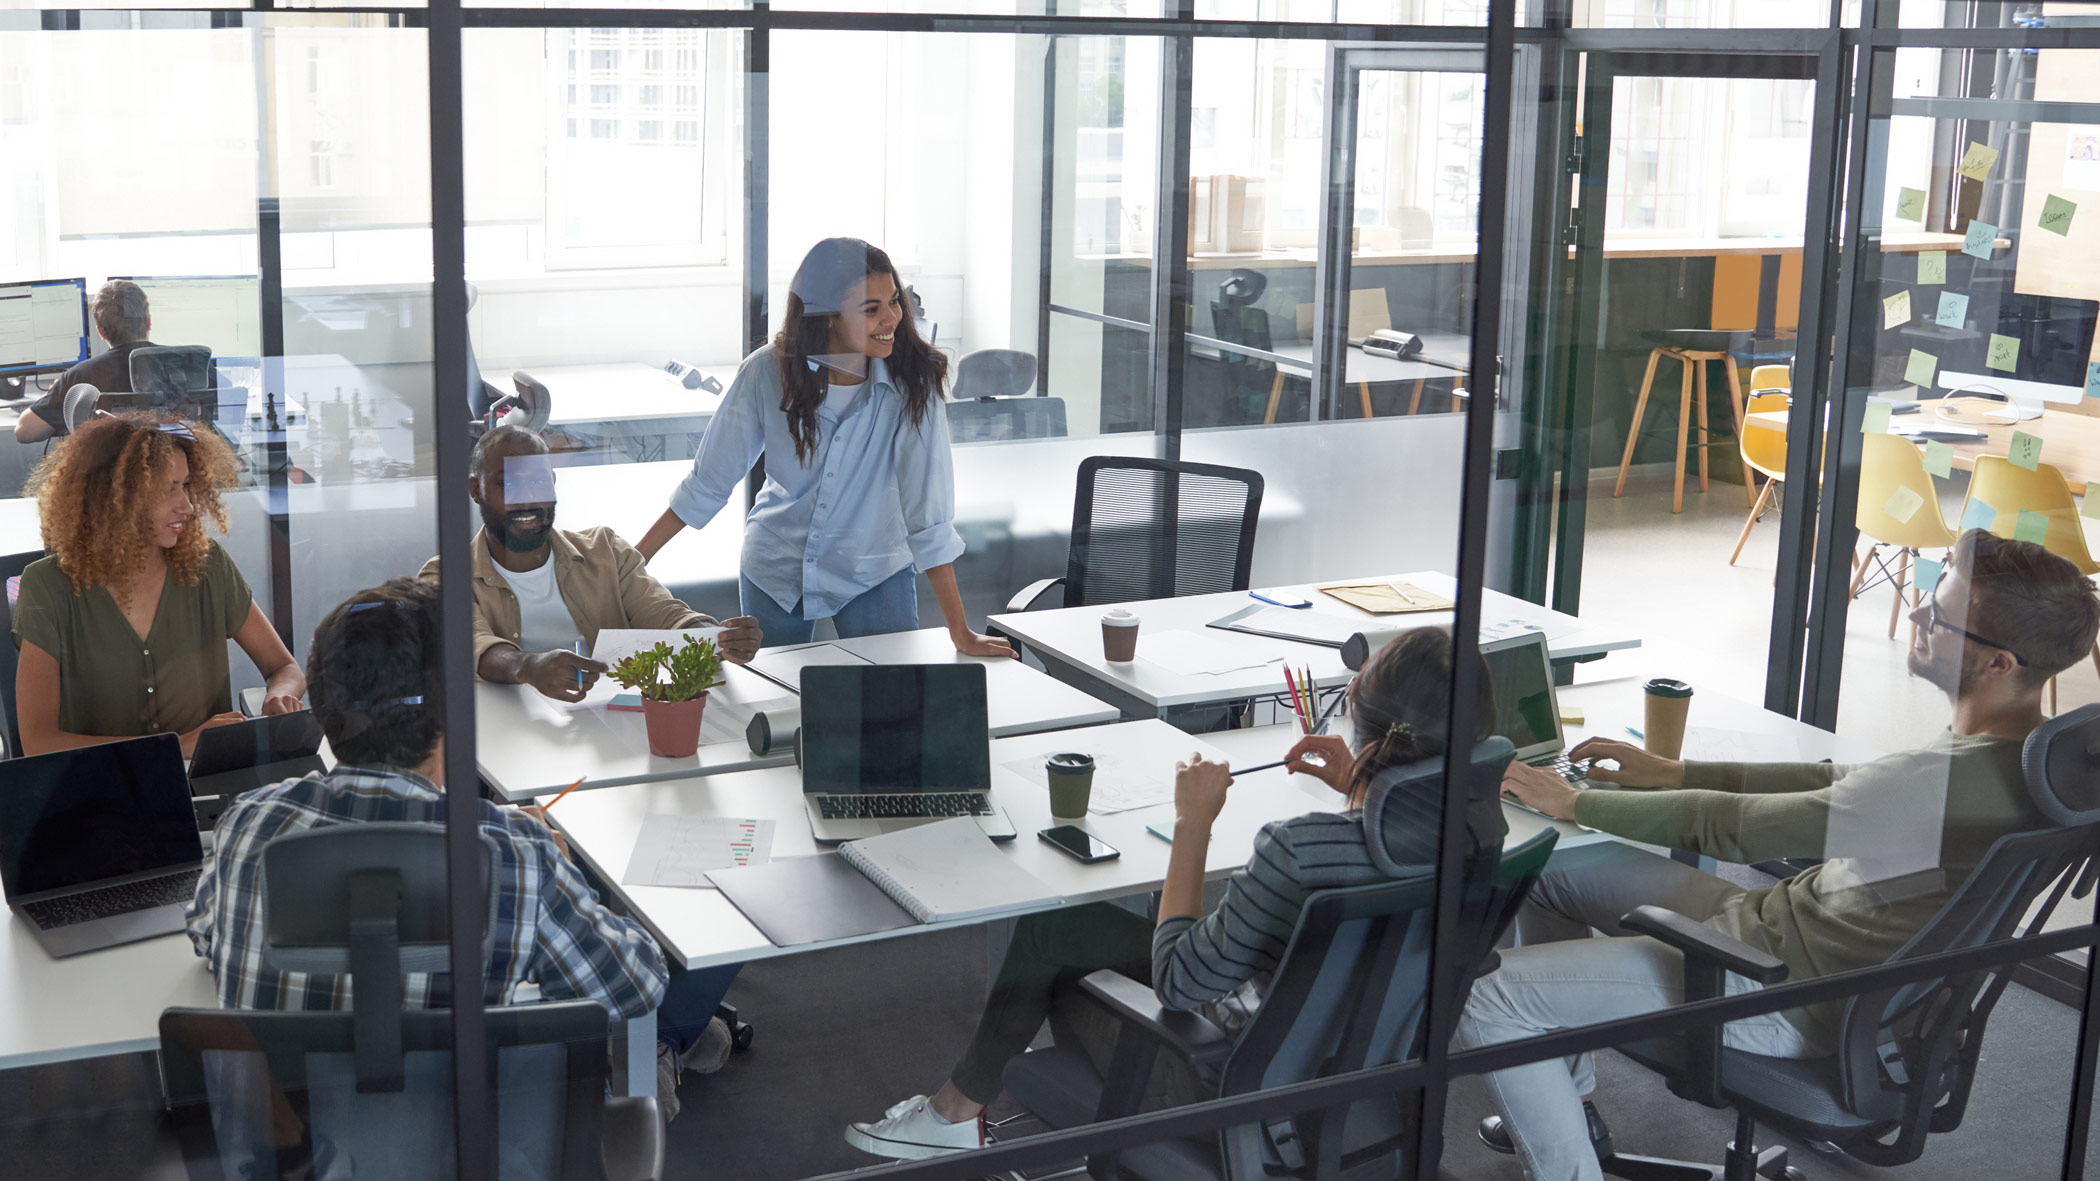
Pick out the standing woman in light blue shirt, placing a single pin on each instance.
(846, 407)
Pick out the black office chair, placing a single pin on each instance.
(170, 379)
(1906, 1056)
(11, 567)
(1254, 379)
(1349, 994)
(1154, 529)
(374, 1085)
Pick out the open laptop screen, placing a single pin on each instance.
(1525, 712)
(894, 727)
(98, 812)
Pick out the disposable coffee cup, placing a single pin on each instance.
(1668, 703)
(1119, 629)
(1071, 785)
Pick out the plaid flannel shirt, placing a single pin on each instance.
(551, 929)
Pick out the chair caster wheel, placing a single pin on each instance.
(1794, 1174)
(740, 1037)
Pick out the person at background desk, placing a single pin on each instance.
(123, 629)
(540, 592)
(1900, 835)
(845, 407)
(123, 319)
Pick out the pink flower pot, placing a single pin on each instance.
(674, 726)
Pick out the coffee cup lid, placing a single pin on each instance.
(1069, 762)
(1120, 615)
(1666, 687)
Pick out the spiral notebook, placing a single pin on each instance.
(946, 870)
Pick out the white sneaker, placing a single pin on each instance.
(911, 1131)
(711, 1052)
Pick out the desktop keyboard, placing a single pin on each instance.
(100, 904)
(905, 805)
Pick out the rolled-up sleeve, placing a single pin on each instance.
(926, 489)
(735, 437)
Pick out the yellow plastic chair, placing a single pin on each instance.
(1888, 463)
(1769, 377)
(2008, 488)
(1764, 449)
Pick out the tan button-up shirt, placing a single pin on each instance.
(602, 580)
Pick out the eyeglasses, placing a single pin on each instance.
(1933, 619)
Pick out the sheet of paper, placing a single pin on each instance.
(1919, 372)
(1904, 504)
(2081, 160)
(1980, 240)
(1132, 769)
(1939, 458)
(1932, 266)
(2057, 214)
(1976, 162)
(1977, 516)
(1925, 574)
(2004, 354)
(1287, 621)
(1189, 654)
(2025, 450)
(1875, 419)
(618, 643)
(1895, 309)
(1954, 310)
(1910, 204)
(786, 665)
(2031, 526)
(680, 850)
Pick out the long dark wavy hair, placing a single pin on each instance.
(916, 368)
(1401, 704)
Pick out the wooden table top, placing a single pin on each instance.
(2070, 441)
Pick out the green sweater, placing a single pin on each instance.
(1898, 837)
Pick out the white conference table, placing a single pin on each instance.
(101, 1002)
(1362, 368)
(1069, 641)
(21, 526)
(639, 404)
(700, 928)
(528, 745)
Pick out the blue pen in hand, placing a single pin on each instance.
(579, 672)
(1279, 602)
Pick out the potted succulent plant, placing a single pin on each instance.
(673, 685)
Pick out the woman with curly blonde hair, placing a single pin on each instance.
(123, 629)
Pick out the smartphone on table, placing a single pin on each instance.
(1079, 843)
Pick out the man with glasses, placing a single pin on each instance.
(1895, 839)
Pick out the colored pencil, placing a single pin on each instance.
(563, 792)
(1297, 704)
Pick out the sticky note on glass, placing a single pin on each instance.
(1925, 574)
(2031, 526)
(1977, 516)
(1939, 459)
(1571, 715)
(1982, 236)
(2004, 353)
(1976, 162)
(1921, 369)
(1904, 504)
(2089, 504)
(2025, 450)
(1875, 420)
(1954, 310)
(2056, 215)
(1932, 266)
(1910, 204)
(1895, 309)
(2092, 379)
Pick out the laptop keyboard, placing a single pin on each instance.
(1568, 769)
(905, 805)
(100, 904)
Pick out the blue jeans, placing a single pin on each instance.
(890, 606)
(690, 1001)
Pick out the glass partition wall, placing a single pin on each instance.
(1521, 310)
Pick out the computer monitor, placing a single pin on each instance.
(221, 312)
(43, 325)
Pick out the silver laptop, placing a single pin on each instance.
(99, 845)
(890, 746)
(1526, 710)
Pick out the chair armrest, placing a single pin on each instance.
(631, 1140)
(1188, 1035)
(1025, 600)
(1700, 942)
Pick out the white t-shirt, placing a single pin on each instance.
(544, 624)
(838, 397)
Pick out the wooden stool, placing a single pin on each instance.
(1694, 362)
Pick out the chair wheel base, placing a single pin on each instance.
(1769, 1164)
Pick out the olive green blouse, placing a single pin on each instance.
(113, 684)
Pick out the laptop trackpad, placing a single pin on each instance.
(143, 924)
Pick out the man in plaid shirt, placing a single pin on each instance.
(376, 689)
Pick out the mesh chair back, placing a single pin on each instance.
(1154, 529)
(172, 379)
(11, 567)
(994, 373)
(992, 420)
(1907, 1055)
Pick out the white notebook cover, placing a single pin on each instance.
(946, 870)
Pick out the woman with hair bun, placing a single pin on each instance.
(123, 628)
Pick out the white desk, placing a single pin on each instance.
(21, 526)
(1370, 368)
(528, 745)
(1069, 639)
(102, 1002)
(640, 405)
